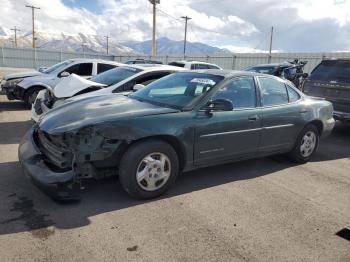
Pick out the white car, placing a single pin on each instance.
(119, 80)
(193, 65)
(27, 89)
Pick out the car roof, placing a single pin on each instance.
(229, 73)
(93, 60)
(156, 67)
(286, 64)
(193, 62)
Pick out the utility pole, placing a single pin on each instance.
(185, 40)
(15, 29)
(33, 8)
(107, 37)
(270, 49)
(154, 41)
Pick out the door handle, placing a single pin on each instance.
(303, 111)
(253, 118)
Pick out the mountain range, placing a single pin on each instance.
(97, 44)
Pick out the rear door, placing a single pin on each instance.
(282, 115)
(331, 80)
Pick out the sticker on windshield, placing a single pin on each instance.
(204, 81)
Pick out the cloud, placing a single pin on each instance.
(300, 25)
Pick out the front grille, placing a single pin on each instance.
(54, 155)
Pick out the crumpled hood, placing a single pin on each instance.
(94, 110)
(42, 78)
(72, 85)
(22, 75)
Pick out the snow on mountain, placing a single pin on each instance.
(76, 43)
(97, 44)
(166, 46)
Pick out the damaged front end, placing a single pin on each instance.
(44, 101)
(58, 163)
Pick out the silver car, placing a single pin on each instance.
(27, 88)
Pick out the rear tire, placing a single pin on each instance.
(305, 145)
(148, 168)
(31, 94)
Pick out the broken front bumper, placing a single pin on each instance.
(39, 107)
(59, 185)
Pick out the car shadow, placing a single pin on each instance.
(13, 106)
(12, 132)
(26, 209)
(336, 146)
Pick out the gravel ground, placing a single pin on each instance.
(261, 210)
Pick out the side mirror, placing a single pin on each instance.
(305, 75)
(219, 105)
(42, 69)
(138, 87)
(64, 74)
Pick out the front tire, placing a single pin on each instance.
(148, 169)
(31, 94)
(306, 145)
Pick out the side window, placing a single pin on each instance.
(212, 67)
(240, 91)
(194, 66)
(144, 80)
(84, 69)
(147, 79)
(292, 94)
(202, 66)
(104, 67)
(273, 92)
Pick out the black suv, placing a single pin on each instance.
(331, 80)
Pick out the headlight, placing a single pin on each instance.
(13, 82)
(3, 82)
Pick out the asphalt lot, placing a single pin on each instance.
(262, 210)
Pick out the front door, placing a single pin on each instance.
(226, 135)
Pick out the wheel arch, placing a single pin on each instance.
(32, 87)
(172, 141)
(318, 124)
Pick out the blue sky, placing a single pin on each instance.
(91, 5)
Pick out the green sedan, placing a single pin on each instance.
(181, 122)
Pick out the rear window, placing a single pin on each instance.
(332, 70)
(263, 70)
(104, 67)
(177, 64)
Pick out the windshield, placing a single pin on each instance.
(177, 90)
(57, 66)
(263, 70)
(332, 71)
(115, 75)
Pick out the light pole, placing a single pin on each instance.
(107, 37)
(185, 40)
(15, 29)
(33, 8)
(270, 48)
(154, 43)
